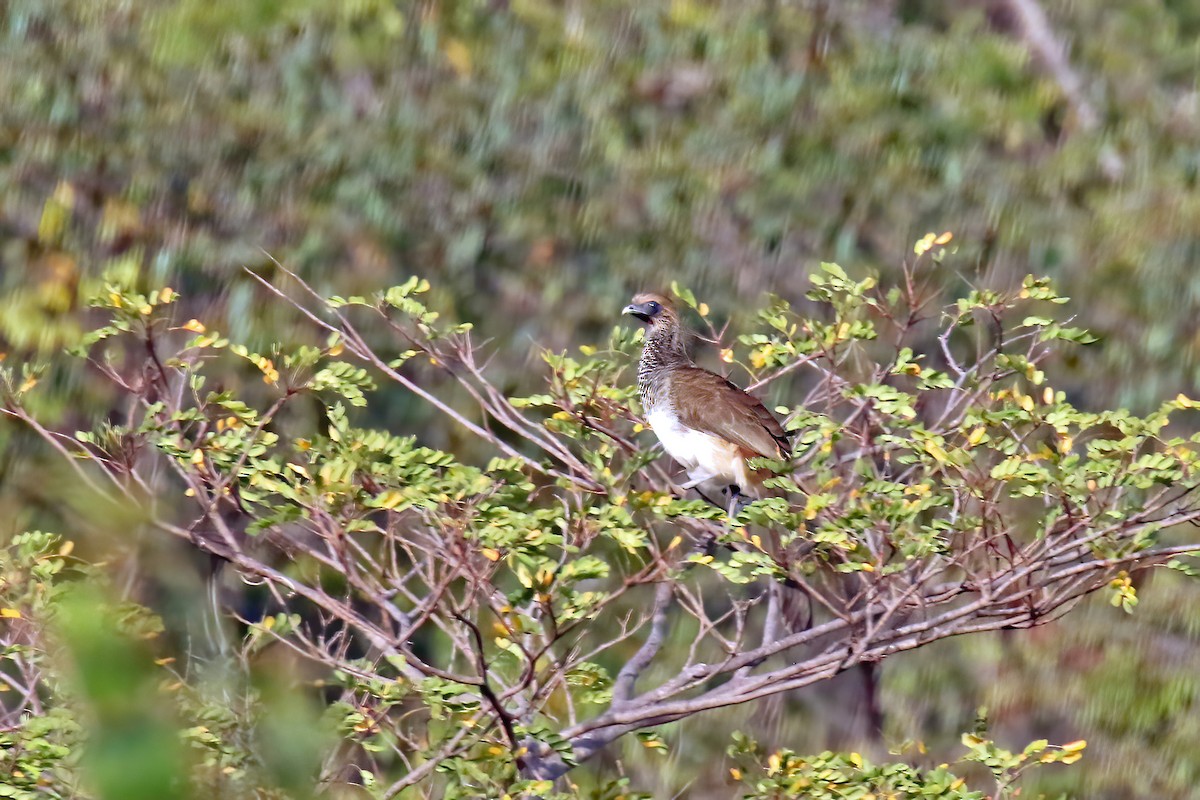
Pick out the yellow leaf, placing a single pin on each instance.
(675, 543)
(195, 326)
(702, 309)
(390, 499)
(856, 760)
(1026, 402)
(10, 613)
(773, 764)
(1047, 395)
(490, 554)
(270, 374)
(1071, 758)
(976, 436)
(27, 384)
(162, 662)
(336, 350)
(299, 470)
(727, 356)
(1075, 746)
(811, 508)
(67, 548)
(735, 773)
(944, 238)
(459, 56)
(197, 457)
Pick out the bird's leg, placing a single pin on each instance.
(735, 497)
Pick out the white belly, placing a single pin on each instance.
(701, 454)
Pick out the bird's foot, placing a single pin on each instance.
(694, 481)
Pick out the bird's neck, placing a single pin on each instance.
(664, 350)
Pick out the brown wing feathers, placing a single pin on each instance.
(707, 402)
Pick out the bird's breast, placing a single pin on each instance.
(696, 451)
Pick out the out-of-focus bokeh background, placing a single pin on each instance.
(537, 160)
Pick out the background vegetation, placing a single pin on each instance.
(537, 162)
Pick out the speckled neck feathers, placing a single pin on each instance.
(663, 352)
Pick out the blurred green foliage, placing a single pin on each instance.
(534, 155)
(540, 159)
(133, 751)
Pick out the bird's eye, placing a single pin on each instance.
(654, 307)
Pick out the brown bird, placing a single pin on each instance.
(704, 422)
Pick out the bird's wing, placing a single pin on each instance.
(705, 401)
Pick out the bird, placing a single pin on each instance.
(708, 425)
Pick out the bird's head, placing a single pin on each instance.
(651, 308)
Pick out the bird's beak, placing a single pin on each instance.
(639, 310)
